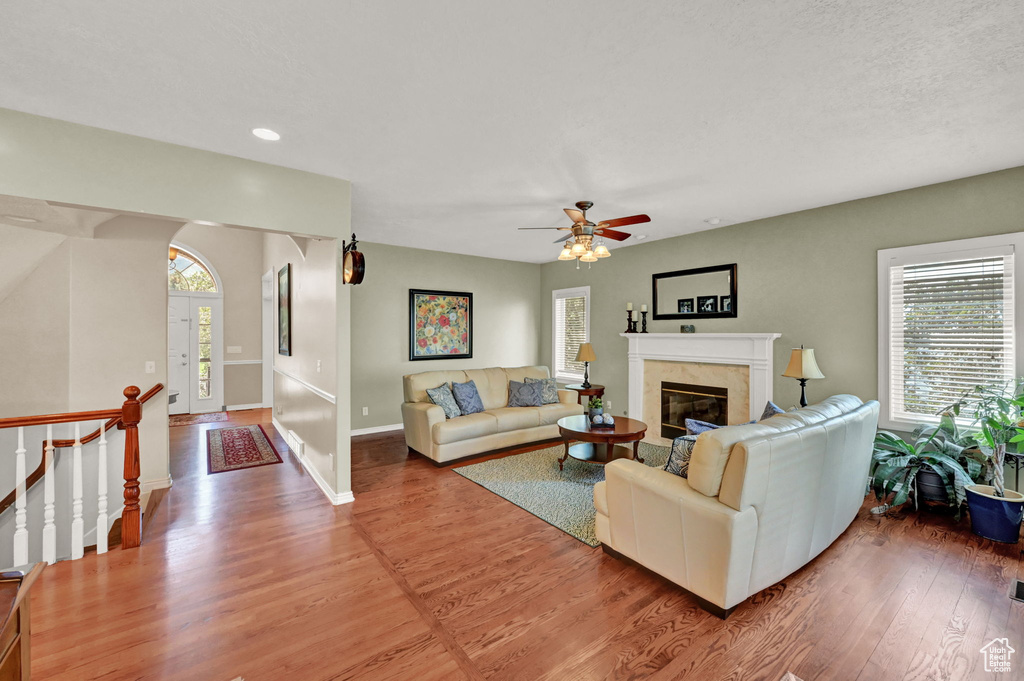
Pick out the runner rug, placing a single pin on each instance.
(192, 419)
(563, 498)
(230, 449)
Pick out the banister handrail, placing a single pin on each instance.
(48, 419)
(114, 419)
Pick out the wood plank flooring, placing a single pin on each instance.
(428, 576)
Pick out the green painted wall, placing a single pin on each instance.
(506, 320)
(811, 276)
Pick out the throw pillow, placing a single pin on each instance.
(770, 410)
(679, 458)
(467, 397)
(695, 427)
(524, 394)
(549, 389)
(442, 397)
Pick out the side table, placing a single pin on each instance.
(593, 391)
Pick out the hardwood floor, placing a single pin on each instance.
(429, 576)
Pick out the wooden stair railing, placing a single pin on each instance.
(126, 418)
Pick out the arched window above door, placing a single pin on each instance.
(186, 272)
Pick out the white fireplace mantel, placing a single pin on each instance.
(748, 349)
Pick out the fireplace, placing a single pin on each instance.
(681, 401)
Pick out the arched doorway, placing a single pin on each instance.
(195, 333)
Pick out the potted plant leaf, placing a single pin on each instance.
(929, 467)
(595, 407)
(996, 512)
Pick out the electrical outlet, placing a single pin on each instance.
(366, 411)
(150, 367)
(608, 406)
(318, 364)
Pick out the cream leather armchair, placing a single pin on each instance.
(762, 500)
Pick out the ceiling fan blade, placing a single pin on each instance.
(545, 228)
(575, 215)
(564, 238)
(611, 234)
(622, 222)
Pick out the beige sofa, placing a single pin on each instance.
(761, 501)
(443, 440)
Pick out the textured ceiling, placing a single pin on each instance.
(458, 122)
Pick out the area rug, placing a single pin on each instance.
(193, 419)
(565, 498)
(231, 449)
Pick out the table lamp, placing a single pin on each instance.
(586, 355)
(803, 367)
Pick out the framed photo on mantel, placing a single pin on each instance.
(440, 325)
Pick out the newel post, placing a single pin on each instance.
(131, 518)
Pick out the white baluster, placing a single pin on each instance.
(101, 491)
(20, 514)
(49, 529)
(77, 525)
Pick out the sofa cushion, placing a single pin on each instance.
(415, 385)
(464, 428)
(548, 389)
(550, 413)
(515, 418)
(770, 410)
(524, 394)
(442, 397)
(679, 458)
(467, 397)
(522, 373)
(492, 384)
(696, 427)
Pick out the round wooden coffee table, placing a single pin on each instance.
(596, 444)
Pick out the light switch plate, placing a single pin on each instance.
(150, 367)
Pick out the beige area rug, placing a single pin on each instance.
(193, 419)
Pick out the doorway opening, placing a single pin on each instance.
(195, 333)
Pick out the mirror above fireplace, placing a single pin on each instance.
(699, 293)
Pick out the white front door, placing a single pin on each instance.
(178, 355)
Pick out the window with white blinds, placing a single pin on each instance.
(950, 326)
(570, 324)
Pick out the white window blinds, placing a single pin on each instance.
(951, 327)
(570, 325)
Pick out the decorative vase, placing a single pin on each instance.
(930, 487)
(595, 411)
(993, 517)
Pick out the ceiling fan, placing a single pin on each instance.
(583, 232)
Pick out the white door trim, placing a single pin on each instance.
(269, 333)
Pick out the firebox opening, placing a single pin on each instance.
(681, 401)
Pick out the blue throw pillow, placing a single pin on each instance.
(679, 458)
(467, 397)
(524, 394)
(695, 427)
(442, 397)
(549, 389)
(770, 410)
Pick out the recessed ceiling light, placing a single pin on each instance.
(641, 237)
(18, 218)
(713, 221)
(266, 134)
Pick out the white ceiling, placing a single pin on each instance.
(458, 122)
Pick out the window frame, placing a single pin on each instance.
(935, 252)
(556, 295)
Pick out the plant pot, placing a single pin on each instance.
(930, 487)
(595, 412)
(994, 517)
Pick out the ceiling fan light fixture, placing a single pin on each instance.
(578, 249)
(566, 254)
(601, 251)
(588, 257)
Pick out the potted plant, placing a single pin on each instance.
(996, 512)
(931, 467)
(595, 407)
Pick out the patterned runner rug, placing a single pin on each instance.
(230, 449)
(533, 482)
(192, 419)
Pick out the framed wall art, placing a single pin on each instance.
(440, 325)
(284, 310)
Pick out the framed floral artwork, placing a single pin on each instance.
(440, 325)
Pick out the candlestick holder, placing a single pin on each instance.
(629, 322)
(643, 313)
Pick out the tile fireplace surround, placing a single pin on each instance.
(752, 350)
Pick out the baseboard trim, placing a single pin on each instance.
(377, 429)
(159, 483)
(336, 498)
(240, 407)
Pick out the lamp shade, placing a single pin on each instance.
(803, 365)
(586, 353)
(566, 254)
(578, 249)
(588, 257)
(601, 251)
